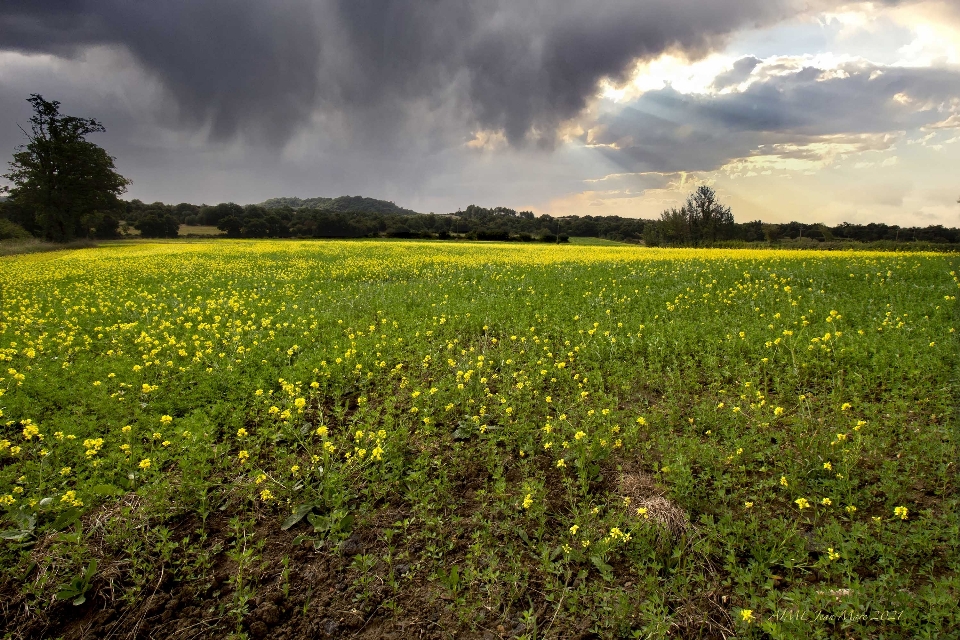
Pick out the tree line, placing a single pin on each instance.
(65, 187)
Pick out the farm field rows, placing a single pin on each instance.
(338, 439)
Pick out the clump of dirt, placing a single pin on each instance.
(647, 500)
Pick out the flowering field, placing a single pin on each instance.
(300, 439)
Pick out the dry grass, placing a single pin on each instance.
(645, 494)
(36, 245)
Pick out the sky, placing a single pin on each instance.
(808, 110)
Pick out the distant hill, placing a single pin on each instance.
(343, 204)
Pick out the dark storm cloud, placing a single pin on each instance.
(785, 115)
(229, 64)
(266, 68)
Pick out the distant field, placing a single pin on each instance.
(309, 438)
(200, 230)
(595, 242)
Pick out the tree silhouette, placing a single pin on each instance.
(67, 184)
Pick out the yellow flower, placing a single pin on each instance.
(561, 464)
(832, 555)
(778, 411)
(266, 495)
(783, 481)
(827, 466)
(748, 505)
(802, 503)
(243, 456)
(166, 419)
(322, 431)
(126, 429)
(746, 615)
(145, 463)
(65, 471)
(826, 502)
(528, 501)
(617, 534)
(574, 529)
(901, 512)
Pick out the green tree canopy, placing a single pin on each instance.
(69, 185)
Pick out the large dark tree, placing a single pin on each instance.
(67, 184)
(709, 220)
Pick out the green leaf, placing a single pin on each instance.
(321, 524)
(298, 514)
(15, 535)
(91, 571)
(107, 490)
(66, 518)
(601, 566)
(67, 592)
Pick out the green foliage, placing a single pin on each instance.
(12, 231)
(65, 183)
(76, 589)
(341, 204)
(158, 226)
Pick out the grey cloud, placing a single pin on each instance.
(267, 69)
(741, 70)
(778, 115)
